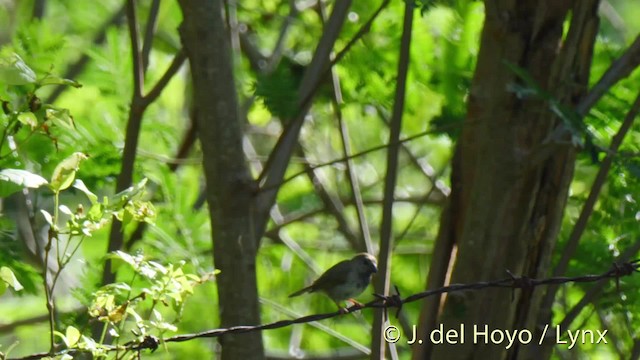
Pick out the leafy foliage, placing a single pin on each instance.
(167, 258)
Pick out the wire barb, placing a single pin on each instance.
(617, 271)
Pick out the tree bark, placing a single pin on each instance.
(506, 210)
(229, 184)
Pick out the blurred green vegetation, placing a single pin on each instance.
(444, 49)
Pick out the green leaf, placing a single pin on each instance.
(28, 118)
(22, 177)
(65, 172)
(13, 71)
(120, 199)
(65, 210)
(62, 336)
(279, 89)
(9, 278)
(78, 184)
(73, 336)
(47, 217)
(55, 80)
(61, 117)
(127, 218)
(127, 258)
(13, 180)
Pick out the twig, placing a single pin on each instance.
(587, 209)
(271, 178)
(363, 242)
(134, 123)
(334, 206)
(76, 68)
(618, 70)
(149, 31)
(383, 282)
(359, 154)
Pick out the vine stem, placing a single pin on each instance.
(47, 289)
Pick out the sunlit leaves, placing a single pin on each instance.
(55, 80)
(28, 118)
(65, 172)
(279, 89)
(60, 117)
(13, 70)
(167, 285)
(12, 180)
(70, 337)
(8, 279)
(78, 184)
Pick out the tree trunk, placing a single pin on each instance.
(511, 174)
(229, 184)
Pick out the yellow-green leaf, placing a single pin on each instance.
(73, 336)
(9, 278)
(65, 172)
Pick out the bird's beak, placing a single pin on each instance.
(374, 268)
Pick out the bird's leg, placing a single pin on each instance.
(342, 310)
(346, 309)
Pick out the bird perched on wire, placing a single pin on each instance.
(344, 280)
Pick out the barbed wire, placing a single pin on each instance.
(617, 271)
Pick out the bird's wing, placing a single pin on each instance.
(302, 291)
(337, 274)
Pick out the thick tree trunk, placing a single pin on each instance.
(229, 185)
(508, 189)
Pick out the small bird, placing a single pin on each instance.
(344, 280)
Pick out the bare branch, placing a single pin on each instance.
(618, 70)
(382, 283)
(149, 33)
(598, 183)
(279, 158)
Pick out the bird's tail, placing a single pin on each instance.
(301, 291)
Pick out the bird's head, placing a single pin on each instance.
(366, 263)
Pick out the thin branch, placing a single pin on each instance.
(425, 168)
(76, 68)
(149, 33)
(278, 160)
(333, 205)
(276, 54)
(419, 206)
(595, 290)
(383, 281)
(139, 104)
(361, 32)
(176, 64)
(290, 218)
(589, 205)
(352, 178)
(356, 155)
(134, 122)
(278, 218)
(618, 70)
(611, 334)
(138, 68)
(39, 7)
